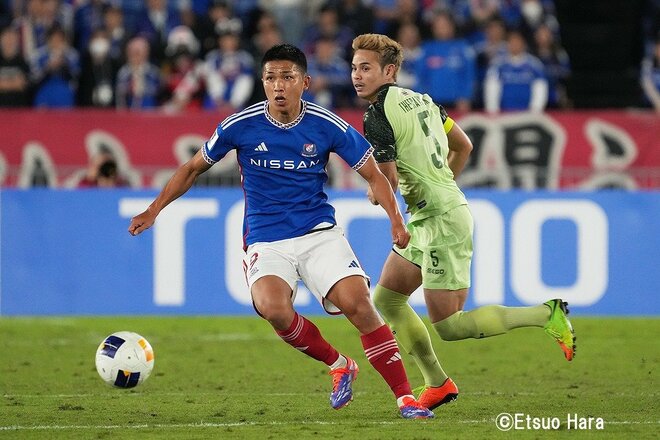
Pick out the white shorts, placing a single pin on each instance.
(319, 259)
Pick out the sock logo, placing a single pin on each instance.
(395, 357)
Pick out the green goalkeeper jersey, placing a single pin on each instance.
(409, 128)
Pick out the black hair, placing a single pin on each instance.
(108, 168)
(285, 52)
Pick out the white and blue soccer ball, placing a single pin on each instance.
(124, 359)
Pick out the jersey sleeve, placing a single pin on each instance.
(380, 133)
(353, 148)
(217, 146)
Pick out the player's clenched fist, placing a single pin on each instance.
(400, 236)
(141, 222)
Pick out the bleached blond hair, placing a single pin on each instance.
(389, 51)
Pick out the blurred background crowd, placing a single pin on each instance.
(180, 55)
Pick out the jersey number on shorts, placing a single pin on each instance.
(434, 258)
(436, 156)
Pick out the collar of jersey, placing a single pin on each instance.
(288, 125)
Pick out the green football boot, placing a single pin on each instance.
(560, 328)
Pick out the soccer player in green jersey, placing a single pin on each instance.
(422, 150)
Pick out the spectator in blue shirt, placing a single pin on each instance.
(138, 81)
(55, 69)
(447, 65)
(331, 85)
(516, 81)
(229, 73)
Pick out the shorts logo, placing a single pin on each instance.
(309, 150)
(435, 271)
(354, 264)
(253, 269)
(253, 259)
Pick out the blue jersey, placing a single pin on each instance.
(446, 70)
(283, 166)
(516, 77)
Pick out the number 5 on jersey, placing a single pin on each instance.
(436, 156)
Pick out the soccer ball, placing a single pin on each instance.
(124, 359)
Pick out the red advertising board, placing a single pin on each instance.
(579, 149)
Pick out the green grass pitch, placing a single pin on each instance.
(231, 377)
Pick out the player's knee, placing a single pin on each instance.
(361, 306)
(388, 302)
(274, 312)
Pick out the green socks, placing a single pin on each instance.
(490, 321)
(414, 338)
(410, 332)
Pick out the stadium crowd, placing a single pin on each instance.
(203, 54)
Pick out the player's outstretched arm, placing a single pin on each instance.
(381, 191)
(181, 181)
(460, 147)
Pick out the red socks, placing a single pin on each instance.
(383, 353)
(379, 346)
(303, 335)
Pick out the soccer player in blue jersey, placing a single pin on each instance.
(289, 229)
(421, 150)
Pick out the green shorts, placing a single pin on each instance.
(442, 247)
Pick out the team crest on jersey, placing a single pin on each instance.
(309, 150)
